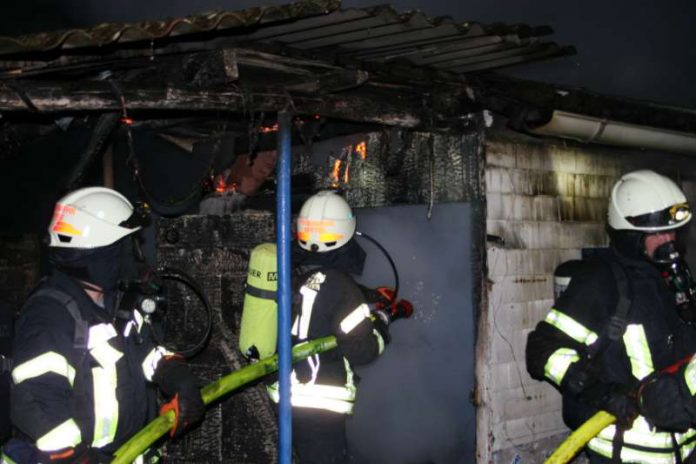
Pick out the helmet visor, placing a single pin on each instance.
(672, 216)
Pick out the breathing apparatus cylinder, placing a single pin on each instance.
(259, 327)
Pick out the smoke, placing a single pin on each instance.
(413, 403)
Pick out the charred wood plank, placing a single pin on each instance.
(100, 96)
(105, 125)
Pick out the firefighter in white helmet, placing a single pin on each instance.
(328, 302)
(621, 336)
(81, 378)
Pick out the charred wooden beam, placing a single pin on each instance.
(105, 125)
(98, 96)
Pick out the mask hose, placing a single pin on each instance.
(389, 258)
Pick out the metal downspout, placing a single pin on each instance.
(283, 238)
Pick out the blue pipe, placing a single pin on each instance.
(284, 240)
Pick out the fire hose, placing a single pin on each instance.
(142, 440)
(579, 438)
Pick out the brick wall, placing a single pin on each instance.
(546, 200)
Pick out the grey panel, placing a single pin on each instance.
(413, 403)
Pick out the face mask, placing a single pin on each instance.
(98, 266)
(666, 253)
(679, 280)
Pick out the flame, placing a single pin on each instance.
(220, 185)
(346, 176)
(267, 129)
(361, 149)
(336, 173)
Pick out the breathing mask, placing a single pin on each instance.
(678, 277)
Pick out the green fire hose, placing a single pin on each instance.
(142, 440)
(579, 438)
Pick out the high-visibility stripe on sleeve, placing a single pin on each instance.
(152, 360)
(65, 435)
(5, 459)
(380, 341)
(356, 316)
(558, 363)
(638, 351)
(571, 327)
(43, 364)
(690, 375)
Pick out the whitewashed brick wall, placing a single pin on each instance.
(547, 200)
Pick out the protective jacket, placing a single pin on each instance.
(654, 338)
(65, 395)
(329, 302)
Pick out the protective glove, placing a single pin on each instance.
(384, 299)
(620, 402)
(175, 379)
(581, 381)
(665, 403)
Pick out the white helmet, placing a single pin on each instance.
(647, 202)
(325, 223)
(91, 217)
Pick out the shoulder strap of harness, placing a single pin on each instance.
(81, 336)
(616, 326)
(618, 321)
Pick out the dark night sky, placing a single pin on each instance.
(636, 49)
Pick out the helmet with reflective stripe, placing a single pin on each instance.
(91, 217)
(648, 202)
(325, 223)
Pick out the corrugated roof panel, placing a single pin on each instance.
(437, 59)
(383, 35)
(113, 33)
(376, 34)
(527, 54)
(335, 19)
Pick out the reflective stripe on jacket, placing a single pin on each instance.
(654, 338)
(64, 395)
(330, 303)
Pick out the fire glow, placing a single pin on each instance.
(221, 186)
(344, 163)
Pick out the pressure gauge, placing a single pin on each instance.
(148, 305)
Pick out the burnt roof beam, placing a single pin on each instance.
(98, 96)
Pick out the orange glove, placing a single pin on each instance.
(188, 408)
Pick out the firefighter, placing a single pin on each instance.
(328, 302)
(83, 379)
(620, 339)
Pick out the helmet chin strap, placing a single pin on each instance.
(91, 287)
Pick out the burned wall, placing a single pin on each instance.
(390, 169)
(19, 268)
(545, 200)
(214, 250)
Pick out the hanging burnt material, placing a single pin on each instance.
(389, 168)
(105, 126)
